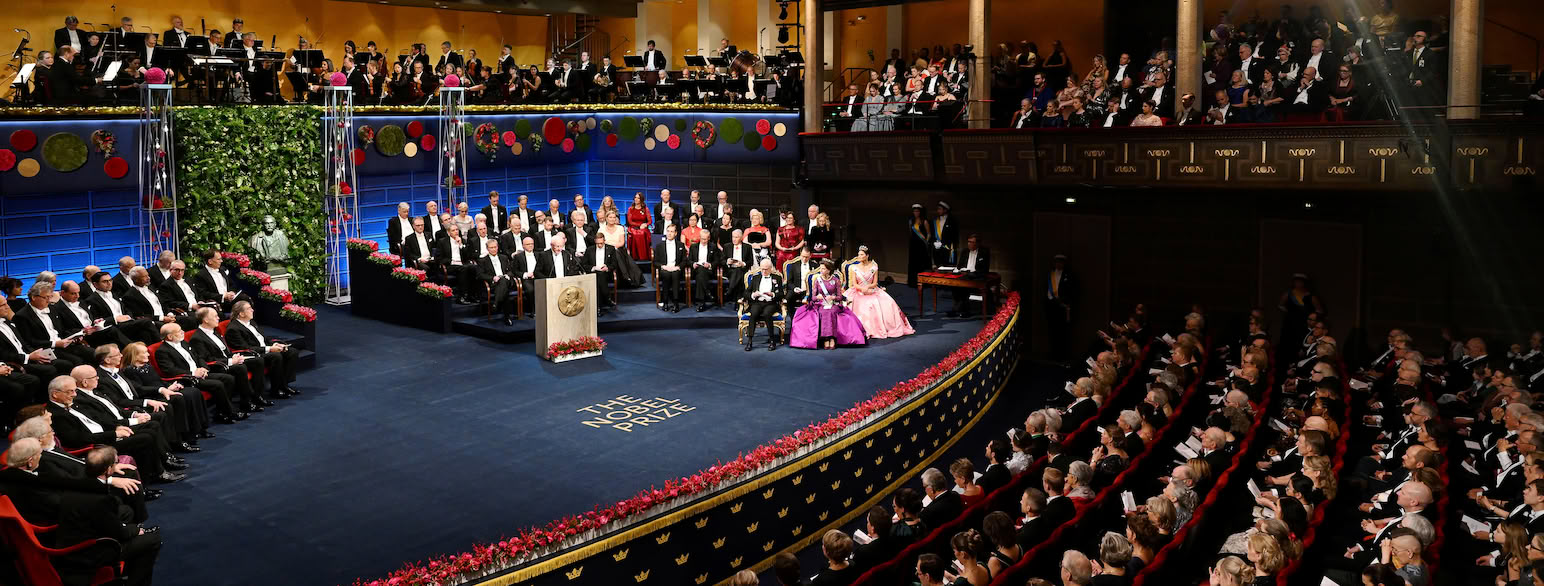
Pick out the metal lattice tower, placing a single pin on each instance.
(339, 187)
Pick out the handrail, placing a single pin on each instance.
(1536, 42)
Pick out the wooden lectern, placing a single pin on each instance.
(565, 310)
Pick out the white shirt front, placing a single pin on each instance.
(557, 263)
(434, 224)
(498, 269)
(424, 245)
(118, 383)
(48, 324)
(1302, 95)
(766, 284)
(155, 302)
(813, 223)
(600, 258)
(112, 304)
(1244, 67)
(10, 334)
(251, 328)
(219, 281)
(530, 262)
(251, 54)
(736, 255)
(80, 313)
(1120, 72)
(721, 210)
(405, 226)
(74, 39)
(581, 238)
(670, 250)
(213, 335)
(91, 424)
(1313, 62)
(970, 261)
(702, 254)
(455, 251)
(111, 408)
(648, 60)
(186, 290)
(183, 352)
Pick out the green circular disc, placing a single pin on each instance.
(731, 130)
(389, 140)
(605, 126)
(680, 125)
(628, 129)
(752, 141)
(64, 152)
(582, 143)
(522, 127)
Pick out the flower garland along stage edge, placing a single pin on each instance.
(237, 164)
(576, 346)
(533, 543)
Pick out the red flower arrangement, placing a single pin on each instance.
(576, 346)
(362, 244)
(273, 294)
(297, 313)
(531, 543)
(434, 290)
(255, 277)
(237, 258)
(409, 274)
(390, 260)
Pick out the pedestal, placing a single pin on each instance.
(565, 310)
(280, 282)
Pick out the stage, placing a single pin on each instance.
(409, 444)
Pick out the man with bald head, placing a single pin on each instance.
(143, 421)
(175, 361)
(557, 262)
(75, 317)
(399, 227)
(39, 326)
(763, 294)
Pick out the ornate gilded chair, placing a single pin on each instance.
(743, 315)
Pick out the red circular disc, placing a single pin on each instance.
(427, 142)
(414, 129)
(359, 156)
(116, 167)
(23, 140)
(510, 139)
(611, 140)
(674, 141)
(7, 160)
(553, 130)
(763, 126)
(568, 145)
(768, 143)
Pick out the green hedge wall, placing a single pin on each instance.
(236, 164)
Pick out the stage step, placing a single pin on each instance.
(472, 320)
(306, 360)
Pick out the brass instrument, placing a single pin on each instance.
(602, 81)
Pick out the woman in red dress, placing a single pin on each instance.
(638, 224)
(693, 233)
(790, 238)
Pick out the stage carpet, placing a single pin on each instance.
(408, 444)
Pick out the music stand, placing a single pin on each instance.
(169, 57)
(773, 61)
(309, 58)
(697, 60)
(135, 42)
(197, 45)
(794, 58)
(20, 48)
(633, 61)
(298, 83)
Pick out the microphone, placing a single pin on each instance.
(20, 30)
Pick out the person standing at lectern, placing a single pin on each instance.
(558, 262)
(1060, 295)
(496, 270)
(672, 260)
(974, 265)
(763, 295)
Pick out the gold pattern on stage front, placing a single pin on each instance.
(627, 413)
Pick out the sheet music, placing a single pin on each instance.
(26, 71)
(112, 70)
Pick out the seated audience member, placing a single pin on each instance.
(107, 306)
(39, 327)
(210, 349)
(931, 569)
(75, 318)
(496, 271)
(418, 248)
(96, 518)
(143, 302)
(964, 474)
(785, 567)
(1311, 96)
(1223, 111)
(175, 361)
(605, 262)
(908, 527)
(212, 285)
(945, 504)
(1058, 508)
(1076, 569)
(1189, 112)
(998, 528)
(971, 571)
(838, 571)
(1034, 527)
(76, 429)
(278, 359)
(1114, 555)
(997, 473)
(457, 260)
(877, 546)
(1231, 571)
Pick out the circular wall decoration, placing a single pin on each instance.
(390, 140)
(28, 167)
(517, 148)
(410, 149)
(583, 142)
(589, 123)
(661, 133)
(23, 140)
(522, 127)
(763, 126)
(568, 145)
(648, 144)
(680, 125)
(415, 129)
(553, 130)
(674, 142)
(427, 142)
(752, 141)
(104, 142)
(780, 129)
(510, 138)
(628, 129)
(768, 143)
(606, 126)
(731, 130)
(359, 156)
(646, 125)
(115, 167)
(64, 152)
(611, 140)
(7, 160)
(703, 134)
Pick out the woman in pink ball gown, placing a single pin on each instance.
(878, 312)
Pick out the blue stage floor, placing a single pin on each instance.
(409, 444)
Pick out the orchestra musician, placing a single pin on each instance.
(448, 58)
(233, 38)
(374, 54)
(506, 63)
(473, 65)
(417, 56)
(604, 86)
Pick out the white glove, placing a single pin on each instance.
(937, 244)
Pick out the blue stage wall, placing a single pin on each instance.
(62, 221)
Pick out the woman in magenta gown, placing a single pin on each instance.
(824, 321)
(880, 315)
(638, 221)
